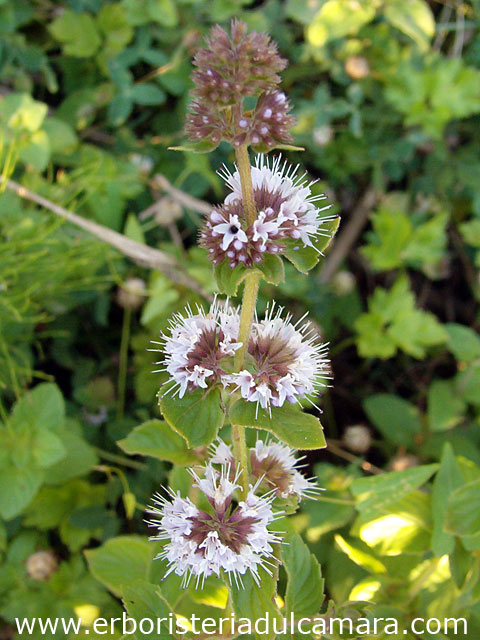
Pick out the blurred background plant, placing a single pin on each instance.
(387, 97)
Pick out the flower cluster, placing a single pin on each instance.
(198, 345)
(229, 69)
(229, 537)
(287, 215)
(273, 466)
(285, 361)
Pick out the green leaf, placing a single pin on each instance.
(445, 405)
(393, 323)
(22, 112)
(43, 406)
(448, 478)
(36, 152)
(304, 593)
(19, 486)
(61, 136)
(463, 511)
(197, 416)
(77, 32)
(338, 18)
(414, 18)
(375, 494)
(121, 561)
(120, 108)
(47, 449)
(305, 258)
(228, 279)
(364, 559)
(254, 602)
(397, 419)
(463, 342)
(155, 438)
(133, 229)
(142, 601)
(299, 430)
(272, 269)
(204, 146)
(163, 11)
(147, 94)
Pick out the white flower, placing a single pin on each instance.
(285, 362)
(197, 345)
(199, 543)
(232, 232)
(263, 230)
(277, 465)
(273, 466)
(288, 194)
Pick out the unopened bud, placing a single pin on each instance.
(402, 462)
(131, 293)
(167, 211)
(357, 67)
(41, 565)
(343, 283)
(357, 438)
(323, 135)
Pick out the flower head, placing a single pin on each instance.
(273, 465)
(287, 215)
(198, 344)
(227, 70)
(228, 537)
(286, 362)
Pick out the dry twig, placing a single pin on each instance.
(139, 253)
(347, 237)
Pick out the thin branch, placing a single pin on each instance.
(345, 455)
(139, 253)
(347, 237)
(189, 202)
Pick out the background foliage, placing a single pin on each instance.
(387, 96)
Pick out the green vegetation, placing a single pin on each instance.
(387, 100)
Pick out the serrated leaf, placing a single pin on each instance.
(299, 430)
(155, 438)
(304, 593)
(463, 341)
(397, 419)
(448, 478)
(144, 600)
(305, 258)
(121, 561)
(196, 147)
(412, 17)
(197, 416)
(463, 510)
(256, 601)
(272, 269)
(364, 559)
(446, 407)
(375, 494)
(229, 279)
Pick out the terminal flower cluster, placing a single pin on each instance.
(227, 70)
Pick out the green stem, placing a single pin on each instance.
(245, 171)
(249, 301)
(122, 366)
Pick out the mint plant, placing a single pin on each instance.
(226, 366)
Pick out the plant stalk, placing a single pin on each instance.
(249, 301)
(123, 361)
